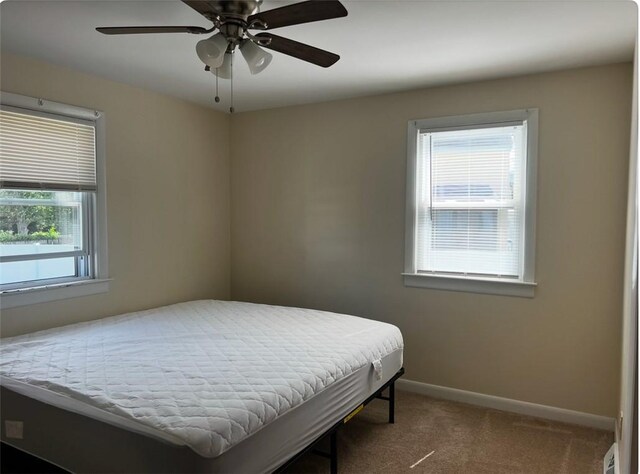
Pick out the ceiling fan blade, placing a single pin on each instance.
(304, 12)
(203, 7)
(302, 51)
(134, 30)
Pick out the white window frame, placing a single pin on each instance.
(57, 289)
(523, 286)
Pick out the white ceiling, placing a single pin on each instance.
(384, 46)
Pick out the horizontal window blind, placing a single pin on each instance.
(39, 152)
(470, 201)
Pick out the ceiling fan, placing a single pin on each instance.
(234, 18)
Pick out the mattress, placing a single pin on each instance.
(202, 379)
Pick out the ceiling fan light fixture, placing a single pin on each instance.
(257, 58)
(224, 70)
(212, 51)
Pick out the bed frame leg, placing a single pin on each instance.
(333, 441)
(392, 402)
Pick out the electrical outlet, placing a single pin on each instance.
(13, 429)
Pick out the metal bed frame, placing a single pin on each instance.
(332, 432)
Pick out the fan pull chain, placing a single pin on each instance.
(217, 98)
(231, 77)
(208, 69)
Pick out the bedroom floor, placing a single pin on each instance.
(463, 438)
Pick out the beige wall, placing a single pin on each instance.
(168, 195)
(318, 197)
(317, 220)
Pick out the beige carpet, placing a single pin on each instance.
(463, 439)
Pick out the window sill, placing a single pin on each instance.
(471, 285)
(44, 294)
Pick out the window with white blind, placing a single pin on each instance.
(471, 203)
(52, 210)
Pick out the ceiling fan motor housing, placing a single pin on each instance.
(239, 9)
(231, 18)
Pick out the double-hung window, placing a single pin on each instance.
(52, 222)
(471, 203)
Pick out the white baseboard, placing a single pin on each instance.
(507, 404)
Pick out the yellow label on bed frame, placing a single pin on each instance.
(353, 413)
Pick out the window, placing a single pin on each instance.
(52, 210)
(471, 203)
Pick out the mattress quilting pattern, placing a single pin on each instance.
(206, 374)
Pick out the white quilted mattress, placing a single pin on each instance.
(205, 374)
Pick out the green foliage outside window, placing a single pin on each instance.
(21, 223)
(50, 236)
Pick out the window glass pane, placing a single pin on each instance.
(37, 222)
(474, 165)
(470, 204)
(467, 229)
(30, 270)
(481, 242)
